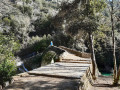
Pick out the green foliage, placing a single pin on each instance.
(28, 1)
(26, 10)
(14, 24)
(41, 45)
(98, 5)
(44, 26)
(87, 18)
(36, 44)
(7, 70)
(63, 40)
(7, 21)
(118, 27)
(33, 62)
(47, 57)
(8, 46)
(92, 12)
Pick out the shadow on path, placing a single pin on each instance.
(106, 85)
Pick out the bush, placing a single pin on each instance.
(47, 57)
(26, 10)
(44, 26)
(33, 62)
(36, 44)
(7, 21)
(8, 46)
(63, 40)
(7, 70)
(14, 24)
(41, 45)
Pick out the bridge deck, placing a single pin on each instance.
(59, 69)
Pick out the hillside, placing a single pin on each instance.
(27, 27)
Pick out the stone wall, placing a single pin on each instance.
(77, 53)
(86, 81)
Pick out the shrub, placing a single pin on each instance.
(36, 44)
(41, 45)
(33, 62)
(47, 57)
(44, 26)
(8, 46)
(26, 10)
(63, 40)
(7, 70)
(14, 24)
(7, 21)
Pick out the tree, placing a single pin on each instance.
(113, 39)
(81, 17)
(112, 15)
(118, 27)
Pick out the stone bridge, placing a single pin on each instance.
(72, 72)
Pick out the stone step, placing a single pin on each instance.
(76, 60)
(59, 75)
(85, 62)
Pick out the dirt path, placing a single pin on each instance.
(104, 83)
(31, 82)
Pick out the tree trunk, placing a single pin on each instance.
(92, 56)
(113, 40)
(114, 56)
(118, 75)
